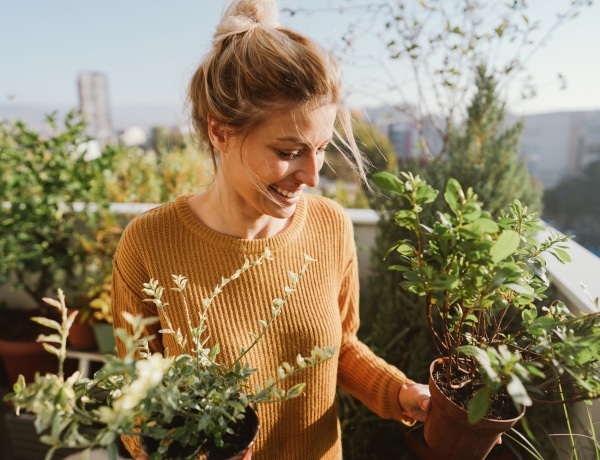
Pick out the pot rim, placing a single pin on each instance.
(461, 409)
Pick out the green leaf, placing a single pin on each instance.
(47, 322)
(52, 338)
(454, 195)
(521, 289)
(517, 392)
(479, 405)
(406, 250)
(425, 194)
(562, 255)
(51, 349)
(475, 352)
(505, 246)
(295, 391)
(389, 182)
(529, 315)
(444, 282)
(487, 225)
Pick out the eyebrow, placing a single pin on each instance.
(296, 140)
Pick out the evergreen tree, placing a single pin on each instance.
(484, 154)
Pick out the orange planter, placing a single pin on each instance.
(81, 336)
(26, 358)
(449, 434)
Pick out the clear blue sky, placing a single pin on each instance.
(148, 48)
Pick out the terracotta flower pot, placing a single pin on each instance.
(26, 358)
(81, 336)
(448, 432)
(508, 450)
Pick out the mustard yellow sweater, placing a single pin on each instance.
(323, 311)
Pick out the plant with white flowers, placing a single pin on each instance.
(182, 405)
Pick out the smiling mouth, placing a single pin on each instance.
(285, 193)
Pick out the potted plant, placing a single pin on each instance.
(480, 279)
(181, 405)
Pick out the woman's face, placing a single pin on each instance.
(266, 171)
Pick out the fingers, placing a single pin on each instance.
(415, 401)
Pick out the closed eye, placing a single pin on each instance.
(292, 155)
(288, 155)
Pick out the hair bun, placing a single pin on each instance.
(243, 15)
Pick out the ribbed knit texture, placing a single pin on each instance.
(323, 311)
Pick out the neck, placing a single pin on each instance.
(228, 218)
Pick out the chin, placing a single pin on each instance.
(282, 212)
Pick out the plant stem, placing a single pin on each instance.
(593, 430)
(568, 421)
(524, 443)
(63, 336)
(275, 313)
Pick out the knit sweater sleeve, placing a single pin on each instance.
(361, 373)
(129, 274)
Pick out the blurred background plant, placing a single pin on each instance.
(55, 210)
(56, 188)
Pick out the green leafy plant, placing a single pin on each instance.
(479, 278)
(54, 207)
(189, 400)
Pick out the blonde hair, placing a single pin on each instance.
(257, 67)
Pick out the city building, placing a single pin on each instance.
(94, 103)
(559, 145)
(403, 132)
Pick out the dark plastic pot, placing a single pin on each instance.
(241, 443)
(448, 432)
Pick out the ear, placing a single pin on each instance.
(217, 133)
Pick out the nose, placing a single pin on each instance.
(308, 171)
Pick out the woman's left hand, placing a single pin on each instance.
(414, 399)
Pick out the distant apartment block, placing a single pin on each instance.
(560, 145)
(403, 132)
(95, 105)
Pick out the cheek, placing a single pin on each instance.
(274, 167)
(269, 170)
(321, 162)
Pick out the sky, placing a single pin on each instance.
(149, 48)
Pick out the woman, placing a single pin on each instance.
(265, 101)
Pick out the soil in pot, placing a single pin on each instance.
(447, 429)
(238, 446)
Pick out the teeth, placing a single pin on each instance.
(286, 193)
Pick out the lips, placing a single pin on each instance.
(286, 193)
